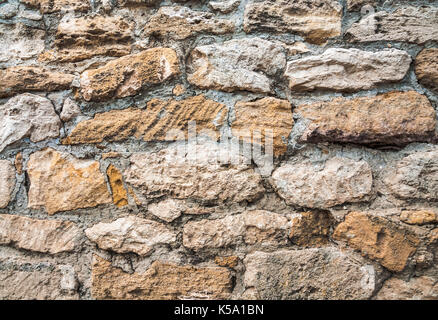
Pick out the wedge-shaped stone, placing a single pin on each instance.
(47, 236)
(24, 78)
(314, 274)
(347, 70)
(61, 182)
(426, 68)
(378, 239)
(250, 227)
(159, 122)
(50, 6)
(394, 118)
(316, 20)
(408, 24)
(130, 234)
(162, 281)
(7, 182)
(120, 196)
(239, 64)
(267, 118)
(27, 115)
(181, 23)
(127, 75)
(337, 181)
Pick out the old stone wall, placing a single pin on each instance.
(107, 188)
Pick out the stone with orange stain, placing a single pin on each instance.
(311, 228)
(229, 261)
(18, 162)
(419, 217)
(120, 196)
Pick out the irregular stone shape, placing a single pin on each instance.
(348, 70)
(415, 176)
(171, 209)
(230, 261)
(394, 118)
(194, 174)
(354, 5)
(47, 236)
(338, 181)
(7, 182)
(378, 239)
(239, 64)
(181, 23)
(24, 78)
(127, 75)
(128, 3)
(8, 10)
(407, 24)
(426, 68)
(421, 288)
(224, 6)
(316, 20)
(250, 227)
(27, 115)
(61, 182)
(20, 42)
(50, 6)
(162, 281)
(419, 217)
(311, 228)
(83, 38)
(130, 234)
(158, 122)
(18, 163)
(267, 117)
(70, 110)
(314, 274)
(120, 195)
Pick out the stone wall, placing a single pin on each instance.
(100, 200)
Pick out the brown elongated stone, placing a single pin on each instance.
(120, 195)
(426, 68)
(419, 217)
(50, 6)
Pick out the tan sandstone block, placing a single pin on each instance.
(426, 68)
(50, 6)
(418, 217)
(120, 195)
(7, 182)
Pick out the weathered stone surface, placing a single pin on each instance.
(267, 118)
(70, 110)
(315, 274)
(337, 181)
(27, 115)
(171, 209)
(415, 176)
(25, 78)
(161, 281)
(316, 20)
(127, 75)
(408, 24)
(61, 182)
(250, 227)
(240, 64)
(311, 228)
(229, 261)
(426, 68)
(50, 6)
(181, 23)
(378, 239)
(195, 174)
(419, 217)
(130, 234)
(224, 6)
(134, 3)
(120, 195)
(18, 163)
(394, 118)
(421, 288)
(354, 5)
(7, 182)
(47, 236)
(157, 123)
(349, 70)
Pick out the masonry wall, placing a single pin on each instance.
(112, 111)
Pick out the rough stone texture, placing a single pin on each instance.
(27, 115)
(315, 274)
(410, 24)
(130, 234)
(61, 182)
(311, 228)
(394, 118)
(378, 239)
(230, 261)
(181, 22)
(7, 182)
(251, 227)
(267, 117)
(419, 217)
(195, 175)
(240, 64)
(347, 69)
(157, 123)
(171, 209)
(354, 5)
(50, 6)
(47, 236)
(70, 110)
(426, 66)
(26, 78)
(421, 288)
(343, 180)
(120, 196)
(316, 20)
(224, 6)
(127, 75)
(161, 281)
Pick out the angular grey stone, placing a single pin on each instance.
(70, 110)
(224, 6)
